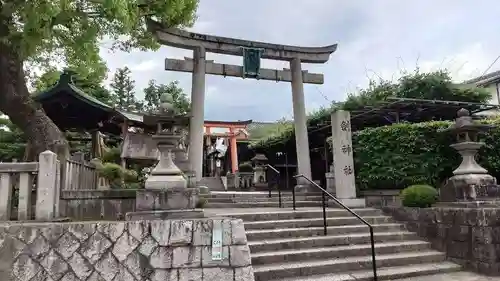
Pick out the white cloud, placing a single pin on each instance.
(375, 38)
(147, 65)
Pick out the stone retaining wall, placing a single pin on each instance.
(111, 204)
(172, 250)
(382, 198)
(469, 236)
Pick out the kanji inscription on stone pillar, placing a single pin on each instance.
(343, 155)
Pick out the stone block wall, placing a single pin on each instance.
(468, 236)
(382, 198)
(170, 250)
(111, 204)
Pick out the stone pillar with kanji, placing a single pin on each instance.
(343, 155)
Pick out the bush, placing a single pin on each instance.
(420, 196)
(114, 173)
(112, 155)
(403, 154)
(245, 168)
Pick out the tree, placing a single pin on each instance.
(123, 86)
(12, 141)
(153, 93)
(36, 34)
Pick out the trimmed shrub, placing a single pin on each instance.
(403, 154)
(420, 196)
(112, 172)
(245, 168)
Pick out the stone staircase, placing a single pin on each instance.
(290, 245)
(213, 183)
(261, 199)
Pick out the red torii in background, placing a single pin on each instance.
(232, 130)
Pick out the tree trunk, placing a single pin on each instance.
(15, 102)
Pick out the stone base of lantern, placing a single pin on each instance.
(165, 182)
(177, 198)
(469, 187)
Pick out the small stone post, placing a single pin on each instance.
(5, 196)
(46, 194)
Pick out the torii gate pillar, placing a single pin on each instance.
(300, 121)
(198, 112)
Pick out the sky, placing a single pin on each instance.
(376, 39)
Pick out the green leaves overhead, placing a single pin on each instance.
(45, 32)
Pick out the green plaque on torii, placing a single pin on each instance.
(251, 62)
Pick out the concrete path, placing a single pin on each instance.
(456, 276)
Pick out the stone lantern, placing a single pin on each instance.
(166, 193)
(470, 181)
(259, 171)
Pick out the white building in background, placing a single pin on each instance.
(490, 82)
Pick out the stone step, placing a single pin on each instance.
(385, 273)
(260, 234)
(266, 204)
(260, 199)
(346, 264)
(314, 222)
(302, 214)
(338, 252)
(278, 244)
(257, 194)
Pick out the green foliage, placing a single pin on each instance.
(123, 86)
(431, 86)
(154, 91)
(111, 172)
(420, 196)
(245, 167)
(112, 155)
(12, 141)
(403, 154)
(70, 31)
(130, 176)
(114, 173)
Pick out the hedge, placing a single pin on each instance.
(405, 154)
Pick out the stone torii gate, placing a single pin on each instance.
(252, 52)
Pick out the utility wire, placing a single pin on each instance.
(484, 73)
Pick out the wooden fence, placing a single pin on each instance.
(80, 175)
(20, 179)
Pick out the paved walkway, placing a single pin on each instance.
(456, 276)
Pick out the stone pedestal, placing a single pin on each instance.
(470, 182)
(167, 199)
(166, 174)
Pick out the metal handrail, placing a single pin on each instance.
(277, 183)
(370, 227)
